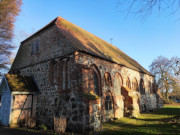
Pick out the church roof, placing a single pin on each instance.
(20, 83)
(86, 42)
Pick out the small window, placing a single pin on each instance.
(108, 103)
(35, 47)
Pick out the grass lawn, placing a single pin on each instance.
(162, 121)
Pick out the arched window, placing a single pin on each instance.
(96, 80)
(96, 83)
(117, 84)
(142, 88)
(53, 68)
(128, 83)
(108, 102)
(134, 85)
(107, 79)
(66, 81)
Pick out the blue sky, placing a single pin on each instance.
(143, 40)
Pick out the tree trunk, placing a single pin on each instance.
(167, 94)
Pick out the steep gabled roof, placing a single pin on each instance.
(20, 83)
(91, 44)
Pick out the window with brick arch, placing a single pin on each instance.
(96, 83)
(117, 84)
(135, 85)
(66, 81)
(142, 87)
(53, 68)
(108, 102)
(96, 80)
(107, 79)
(128, 83)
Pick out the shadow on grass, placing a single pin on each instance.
(145, 129)
(149, 123)
(174, 112)
(175, 118)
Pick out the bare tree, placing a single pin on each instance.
(175, 94)
(166, 72)
(9, 9)
(146, 7)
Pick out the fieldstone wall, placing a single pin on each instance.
(71, 107)
(146, 101)
(53, 99)
(94, 115)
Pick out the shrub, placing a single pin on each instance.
(41, 126)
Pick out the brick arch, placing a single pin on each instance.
(135, 85)
(52, 67)
(114, 101)
(118, 82)
(97, 75)
(128, 83)
(142, 86)
(107, 79)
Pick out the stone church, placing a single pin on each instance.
(63, 71)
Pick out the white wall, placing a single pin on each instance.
(5, 104)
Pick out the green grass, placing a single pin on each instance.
(162, 121)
